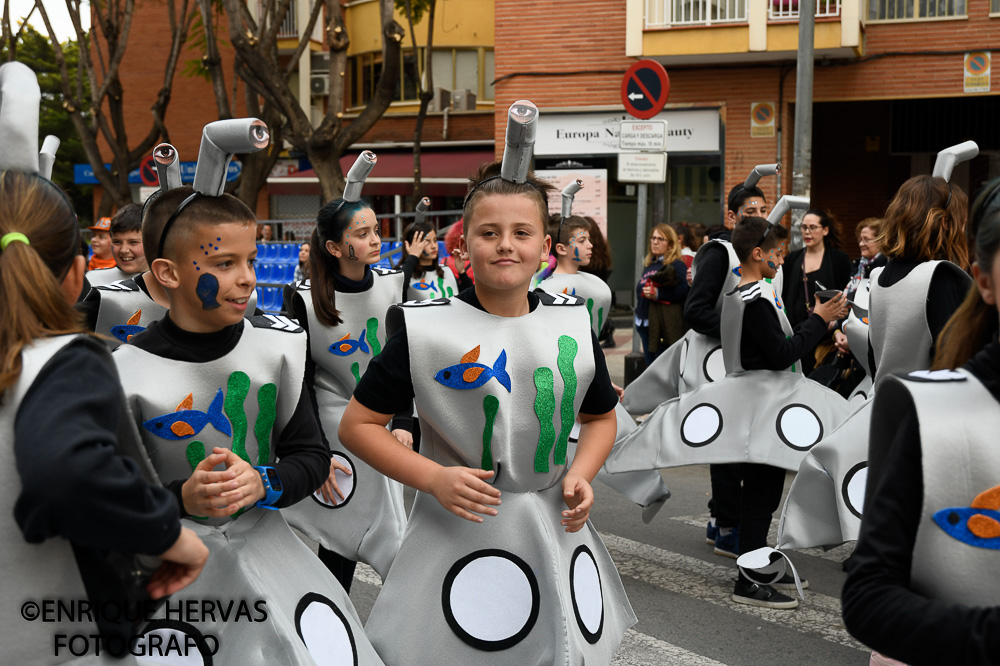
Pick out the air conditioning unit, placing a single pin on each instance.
(441, 100)
(319, 84)
(463, 100)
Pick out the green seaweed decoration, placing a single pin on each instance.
(567, 354)
(356, 371)
(267, 408)
(195, 453)
(372, 331)
(447, 292)
(545, 407)
(236, 395)
(590, 311)
(491, 404)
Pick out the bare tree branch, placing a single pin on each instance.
(304, 41)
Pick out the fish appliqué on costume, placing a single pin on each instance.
(124, 332)
(976, 525)
(186, 422)
(424, 286)
(471, 375)
(345, 346)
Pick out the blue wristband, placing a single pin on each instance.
(272, 487)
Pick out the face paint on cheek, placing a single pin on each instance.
(576, 254)
(350, 253)
(208, 291)
(772, 265)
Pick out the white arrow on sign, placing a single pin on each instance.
(635, 96)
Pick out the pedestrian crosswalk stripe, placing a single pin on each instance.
(818, 615)
(838, 554)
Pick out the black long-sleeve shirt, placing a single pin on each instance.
(74, 484)
(303, 457)
(880, 609)
(699, 307)
(764, 346)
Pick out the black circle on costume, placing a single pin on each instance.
(843, 488)
(188, 630)
(710, 439)
(313, 597)
(777, 426)
(449, 616)
(683, 356)
(592, 637)
(704, 365)
(354, 477)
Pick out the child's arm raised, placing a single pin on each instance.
(597, 436)
(461, 490)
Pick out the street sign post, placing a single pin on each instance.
(642, 135)
(645, 88)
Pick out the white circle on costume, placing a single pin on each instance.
(799, 427)
(854, 488)
(344, 481)
(715, 366)
(701, 425)
(684, 355)
(326, 634)
(491, 598)
(585, 586)
(173, 646)
(937, 375)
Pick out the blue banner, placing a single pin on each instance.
(83, 174)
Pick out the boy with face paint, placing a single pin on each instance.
(573, 248)
(223, 405)
(123, 308)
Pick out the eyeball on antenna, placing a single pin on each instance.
(219, 142)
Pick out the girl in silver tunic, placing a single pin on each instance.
(358, 514)
(910, 299)
(922, 587)
(74, 501)
(528, 581)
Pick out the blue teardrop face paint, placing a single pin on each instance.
(208, 291)
(772, 265)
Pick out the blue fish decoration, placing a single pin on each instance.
(345, 346)
(208, 291)
(976, 525)
(471, 375)
(424, 286)
(736, 272)
(125, 331)
(186, 422)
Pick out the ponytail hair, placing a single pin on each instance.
(975, 323)
(32, 304)
(331, 225)
(412, 230)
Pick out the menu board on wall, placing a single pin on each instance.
(591, 201)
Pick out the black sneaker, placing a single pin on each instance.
(787, 583)
(764, 596)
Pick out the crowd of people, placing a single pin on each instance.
(174, 468)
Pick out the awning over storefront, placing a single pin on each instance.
(443, 173)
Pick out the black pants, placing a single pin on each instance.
(341, 567)
(726, 493)
(762, 487)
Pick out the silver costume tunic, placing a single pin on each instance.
(518, 588)
(368, 524)
(101, 276)
(824, 504)
(595, 292)
(125, 310)
(772, 417)
(242, 401)
(955, 551)
(430, 286)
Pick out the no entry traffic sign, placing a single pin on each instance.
(147, 172)
(645, 89)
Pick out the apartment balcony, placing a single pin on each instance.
(718, 31)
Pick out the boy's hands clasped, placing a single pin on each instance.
(219, 494)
